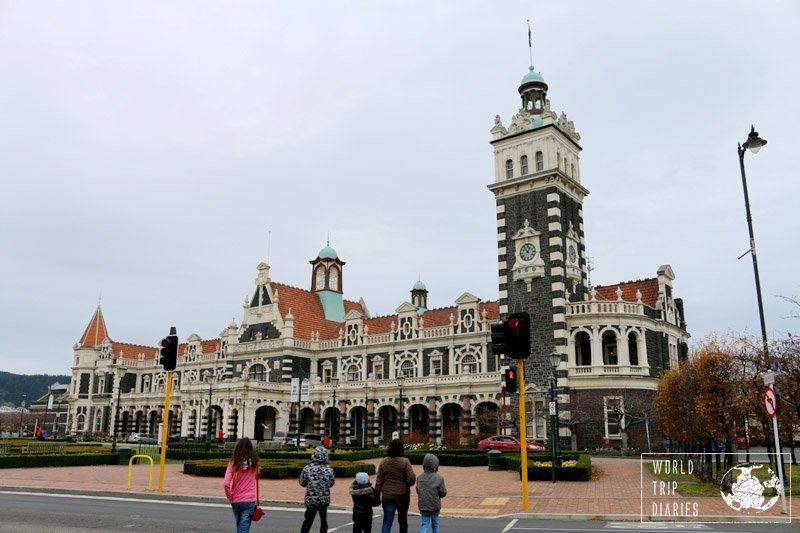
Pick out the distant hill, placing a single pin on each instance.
(13, 386)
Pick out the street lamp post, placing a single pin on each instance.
(335, 421)
(120, 372)
(208, 421)
(555, 359)
(21, 412)
(364, 421)
(401, 414)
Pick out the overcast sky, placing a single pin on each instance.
(150, 151)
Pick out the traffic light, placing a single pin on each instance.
(518, 336)
(512, 337)
(511, 380)
(169, 350)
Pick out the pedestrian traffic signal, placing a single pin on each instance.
(169, 350)
(511, 380)
(512, 337)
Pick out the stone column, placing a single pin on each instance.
(597, 350)
(344, 426)
(467, 427)
(319, 426)
(371, 429)
(434, 421)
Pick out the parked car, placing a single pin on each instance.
(279, 436)
(306, 439)
(142, 438)
(507, 443)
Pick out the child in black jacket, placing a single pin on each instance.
(364, 499)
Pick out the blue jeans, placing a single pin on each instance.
(388, 516)
(433, 520)
(243, 513)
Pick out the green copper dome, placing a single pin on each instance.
(419, 286)
(328, 253)
(532, 76)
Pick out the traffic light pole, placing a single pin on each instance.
(164, 435)
(523, 434)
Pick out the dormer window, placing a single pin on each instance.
(258, 373)
(333, 279)
(539, 161)
(523, 163)
(320, 284)
(352, 373)
(509, 169)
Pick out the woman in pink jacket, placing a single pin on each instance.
(241, 478)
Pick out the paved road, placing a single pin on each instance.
(23, 512)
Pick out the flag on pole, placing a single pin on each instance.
(529, 34)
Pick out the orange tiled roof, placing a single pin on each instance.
(96, 331)
(648, 288)
(124, 350)
(307, 311)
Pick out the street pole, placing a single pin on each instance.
(46, 408)
(21, 412)
(401, 414)
(754, 143)
(120, 372)
(335, 412)
(523, 434)
(364, 421)
(208, 420)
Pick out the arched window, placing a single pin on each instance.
(572, 170)
(469, 365)
(352, 373)
(333, 279)
(633, 349)
(583, 349)
(509, 169)
(539, 161)
(320, 278)
(610, 348)
(523, 164)
(407, 369)
(258, 372)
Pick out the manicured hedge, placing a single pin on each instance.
(447, 458)
(276, 469)
(40, 459)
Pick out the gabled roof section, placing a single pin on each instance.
(648, 288)
(308, 313)
(124, 350)
(431, 317)
(96, 331)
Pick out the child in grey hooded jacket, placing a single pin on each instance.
(430, 491)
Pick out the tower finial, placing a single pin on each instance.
(328, 243)
(269, 243)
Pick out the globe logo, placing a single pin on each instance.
(750, 488)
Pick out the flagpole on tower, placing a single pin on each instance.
(530, 45)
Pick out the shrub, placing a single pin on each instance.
(37, 460)
(276, 469)
(581, 471)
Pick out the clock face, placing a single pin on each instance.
(527, 252)
(573, 256)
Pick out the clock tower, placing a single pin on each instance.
(540, 243)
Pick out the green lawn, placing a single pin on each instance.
(690, 485)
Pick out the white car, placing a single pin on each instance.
(142, 438)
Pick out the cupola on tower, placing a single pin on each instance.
(326, 282)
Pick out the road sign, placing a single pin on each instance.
(552, 408)
(304, 390)
(770, 402)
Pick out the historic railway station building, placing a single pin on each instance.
(426, 372)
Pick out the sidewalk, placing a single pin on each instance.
(472, 491)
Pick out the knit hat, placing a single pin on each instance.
(362, 478)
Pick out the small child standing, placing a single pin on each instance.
(364, 499)
(430, 491)
(318, 479)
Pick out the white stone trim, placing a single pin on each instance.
(501, 222)
(559, 317)
(556, 256)
(503, 309)
(504, 294)
(554, 212)
(553, 197)
(503, 279)
(554, 226)
(555, 241)
(557, 271)
(558, 286)
(501, 250)
(501, 236)
(559, 302)
(560, 334)
(501, 208)
(502, 265)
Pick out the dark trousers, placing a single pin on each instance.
(362, 523)
(311, 512)
(389, 509)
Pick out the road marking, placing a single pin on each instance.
(494, 501)
(164, 502)
(340, 527)
(510, 525)
(656, 526)
(466, 510)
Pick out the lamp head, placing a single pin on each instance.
(400, 379)
(122, 370)
(555, 359)
(754, 142)
(335, 382)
